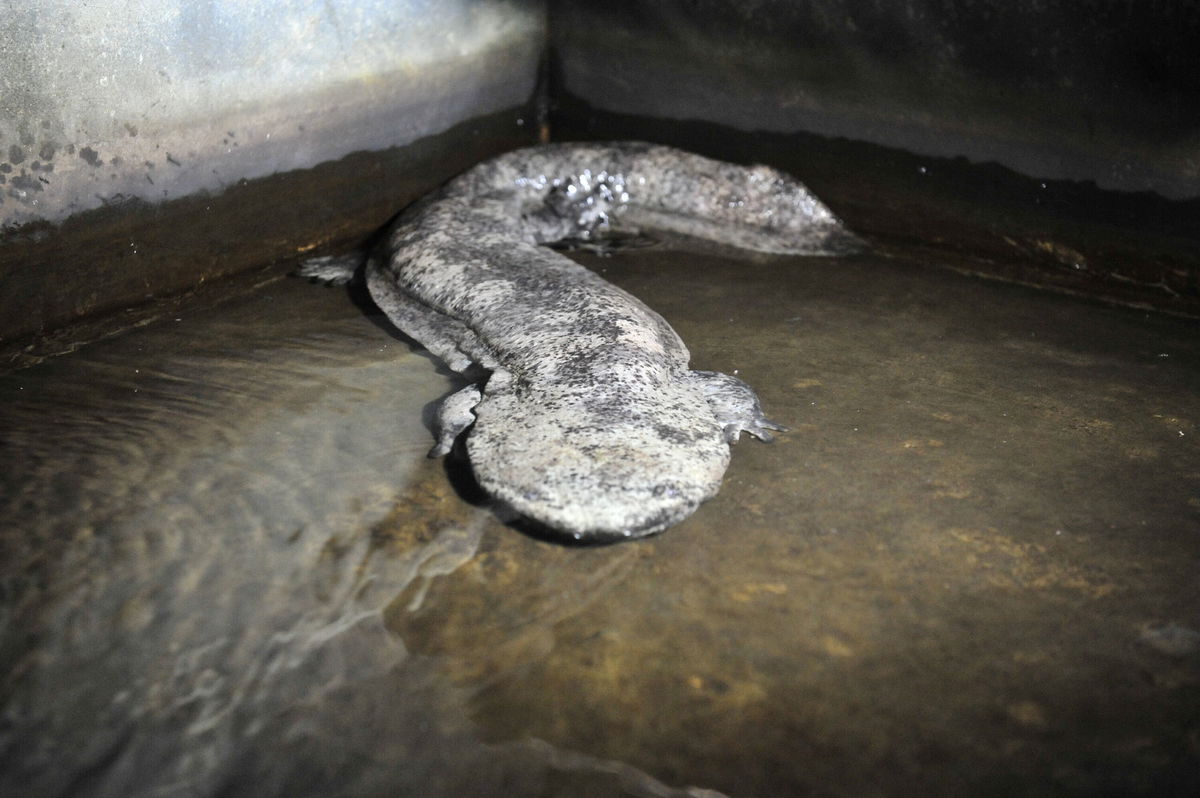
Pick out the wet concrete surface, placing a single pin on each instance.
(970, 568)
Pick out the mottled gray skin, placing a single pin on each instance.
(590, 423)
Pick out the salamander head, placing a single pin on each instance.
(597, 482)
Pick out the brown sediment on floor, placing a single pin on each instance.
(968, 569)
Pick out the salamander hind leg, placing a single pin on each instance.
(332, 269)
(735, 406)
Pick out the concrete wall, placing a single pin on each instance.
(1105, 90)
(158, 99)
(147, 145)
(1048, 142)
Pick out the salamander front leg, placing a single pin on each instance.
(736, 406)
(454, 415)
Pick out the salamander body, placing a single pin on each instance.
(589, 421)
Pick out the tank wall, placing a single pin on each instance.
(112, 111)
(1105, 91)
(156, 100)
(146, 147)
(1043, 142)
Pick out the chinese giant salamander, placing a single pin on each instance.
(589, 422)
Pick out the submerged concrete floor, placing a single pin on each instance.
(970, 568)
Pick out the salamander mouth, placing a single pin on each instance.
(601, 513)
(551, 531)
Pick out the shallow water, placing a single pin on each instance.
(969, 568)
